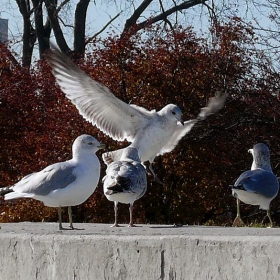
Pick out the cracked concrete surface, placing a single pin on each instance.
(40, 251)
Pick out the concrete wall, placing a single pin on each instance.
(113, 255)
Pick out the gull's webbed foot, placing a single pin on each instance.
(238, 222)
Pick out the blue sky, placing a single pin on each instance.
(98, 16)
(102, 12)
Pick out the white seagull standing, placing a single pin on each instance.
(257, 186)
(151, 133)
(63, 184)
(125, 181)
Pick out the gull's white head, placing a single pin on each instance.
(86, 144)
(172, 112)
(261, 157)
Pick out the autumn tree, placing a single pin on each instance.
(41, 18)
(39, 124)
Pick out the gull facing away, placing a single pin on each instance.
(125, 181)
(151, 133)
(63, 184)
(257, 186)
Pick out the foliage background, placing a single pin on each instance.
(38, 124)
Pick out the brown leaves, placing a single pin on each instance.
(38, 124)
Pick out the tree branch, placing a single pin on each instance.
(103, 28)
(184, 6)
(52, 14)
(131, 22)
(62, 4)
(137, 13)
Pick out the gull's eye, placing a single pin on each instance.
(90, 143)
(173, 113)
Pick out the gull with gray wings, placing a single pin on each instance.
(125, 181)
(63, 184)
(257, 186)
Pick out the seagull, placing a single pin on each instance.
(152, 133)
(257, 186)
(63, 184)
(125, 181)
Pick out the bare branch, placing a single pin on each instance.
(162, 16)
(166, 20)
(137, 13)
(131, 22)
(103, 28)
(212, 13)
(65, 24)
(62, 4)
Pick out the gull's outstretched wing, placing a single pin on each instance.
(214, 104)
(181, 131)
(95, 102)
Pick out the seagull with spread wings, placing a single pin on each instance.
(152, 133)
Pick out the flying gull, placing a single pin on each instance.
(125, 181)
(63, 184)
(152, 132)
(257, 186)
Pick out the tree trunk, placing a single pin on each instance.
(43, 32)
(29, 34)
(135, 16)
(51, 6)
(79, 29)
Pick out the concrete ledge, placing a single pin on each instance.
(40, 251)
